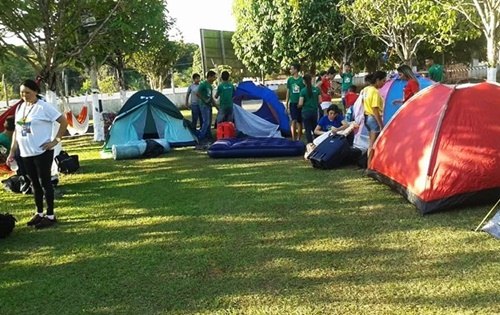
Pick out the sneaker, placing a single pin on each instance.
(34, 220)
(45, 222)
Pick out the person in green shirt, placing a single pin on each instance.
(225, 91)
(309, 100)
(346, 82)
(206, 102)
(294, 85)
(6, 138)
(436, 72)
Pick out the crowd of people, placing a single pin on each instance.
(308, 100)
(28, 138)
(310, 107)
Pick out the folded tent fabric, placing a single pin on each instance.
(493, 226)
(130, 150)
(253, 125)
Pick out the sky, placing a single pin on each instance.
(192, 15)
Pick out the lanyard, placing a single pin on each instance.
(23, 120)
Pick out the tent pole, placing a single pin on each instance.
(487, 215)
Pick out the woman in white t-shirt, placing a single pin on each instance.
(33, 138)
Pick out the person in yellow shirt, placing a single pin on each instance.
(374, 107)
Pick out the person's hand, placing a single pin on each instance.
(49, 145)
(10, 158)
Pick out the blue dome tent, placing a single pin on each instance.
(149, 114)
(393, 90)
(271, 110)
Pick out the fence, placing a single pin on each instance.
(111, 103)
(462, 73)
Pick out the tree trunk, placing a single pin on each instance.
(492, 54)
(120, 65)
(96, 114)
(49, 76)
(5, 92)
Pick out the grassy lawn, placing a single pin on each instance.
(186, 234)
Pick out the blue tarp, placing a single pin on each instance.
(271, 110)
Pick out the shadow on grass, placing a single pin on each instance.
(185, 234)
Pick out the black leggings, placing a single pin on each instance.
(38, 169)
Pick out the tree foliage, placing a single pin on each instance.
(15, 68)
(135, 26)
(272, 34)
(484, 15)
(157, 61)
(45, 27)
(406, 24)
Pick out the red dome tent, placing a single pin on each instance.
(442, 148)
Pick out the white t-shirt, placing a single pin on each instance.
(193, 89)
(37, 128)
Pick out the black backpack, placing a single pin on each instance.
(20, 184)
(7, 224)
(66, 163)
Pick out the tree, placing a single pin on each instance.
(45, 27)
(157, 61)
(135, 26)
(406, 24)
(272, 34)
(253, 40)
(16, 69)
(485, 16)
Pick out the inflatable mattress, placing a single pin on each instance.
(255, 147)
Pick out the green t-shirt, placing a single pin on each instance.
(5, 142)
(205, 92)
(436, 73)
(346, 80)
(225, 91)
(294, 87)
(310, 102)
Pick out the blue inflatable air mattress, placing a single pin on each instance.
(255, 147)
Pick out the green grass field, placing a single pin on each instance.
(186, 234)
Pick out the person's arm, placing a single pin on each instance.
(301, 102)
(319, 99)
(217, 92)
(287, 105)
(318, 131)
(13, 148)
(187, 96)
(378, 118)
(344, 126)
(63, 124)
(397, 102)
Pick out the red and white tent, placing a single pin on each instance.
(442, 148)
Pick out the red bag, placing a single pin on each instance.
(226, 130)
